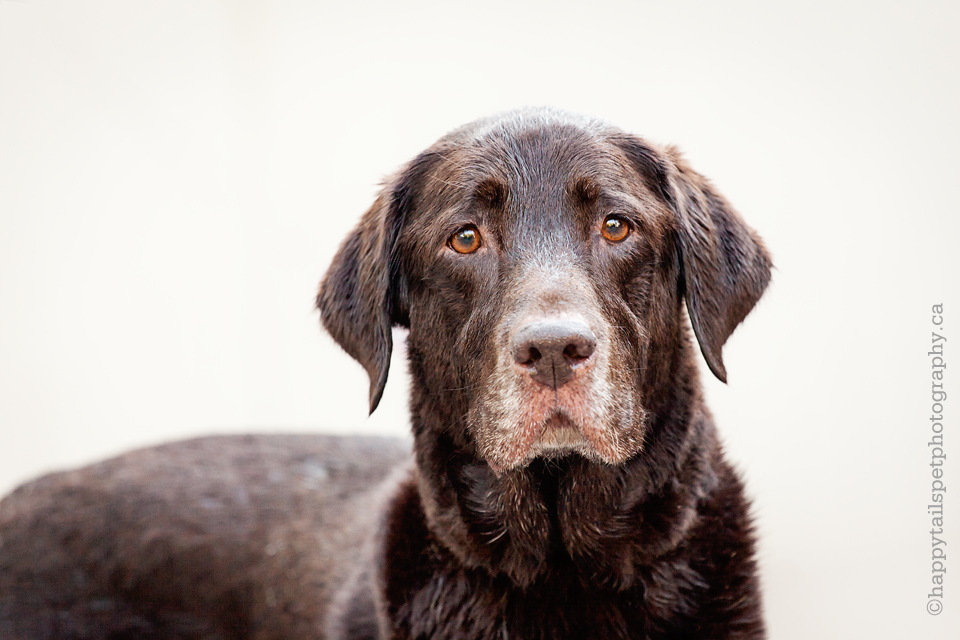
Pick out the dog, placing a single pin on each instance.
(566, 479)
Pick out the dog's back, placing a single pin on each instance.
(218, 537)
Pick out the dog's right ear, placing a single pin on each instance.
(363, 293)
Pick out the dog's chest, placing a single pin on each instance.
(471, 605)
(551, 578)
(429, 593)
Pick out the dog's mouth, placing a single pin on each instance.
(520, 419)
(558, 437)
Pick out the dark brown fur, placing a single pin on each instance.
(219, 538)
(632, 527)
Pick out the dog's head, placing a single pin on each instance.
(540, 262)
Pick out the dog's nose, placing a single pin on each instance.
(552, 349)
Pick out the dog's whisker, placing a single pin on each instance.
(503, 532)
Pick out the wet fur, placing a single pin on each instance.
(635, 527)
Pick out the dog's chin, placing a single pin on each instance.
(555, 437)
(560, 437)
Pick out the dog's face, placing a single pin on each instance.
(540, 262)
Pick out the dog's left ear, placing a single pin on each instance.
(724, 265)
(363, 294)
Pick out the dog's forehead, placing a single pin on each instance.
(531, 155)
(534, 163)
(537, 166)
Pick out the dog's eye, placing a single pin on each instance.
(615, 228)
(466, 240)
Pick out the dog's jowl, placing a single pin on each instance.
(566, 479)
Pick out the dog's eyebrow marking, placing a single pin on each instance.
(491, 193)
(585, 190)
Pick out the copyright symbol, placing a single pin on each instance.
(934, 607)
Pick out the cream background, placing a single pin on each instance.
(175, 177)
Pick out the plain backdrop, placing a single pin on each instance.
(175, 177)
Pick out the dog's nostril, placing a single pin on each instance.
(526, 354)
(580, 350)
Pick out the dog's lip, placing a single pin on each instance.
(559, 433)
(558, 421)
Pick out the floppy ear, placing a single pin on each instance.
(724, 265)
(363, 293)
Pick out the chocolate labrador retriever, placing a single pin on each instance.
(566, 480)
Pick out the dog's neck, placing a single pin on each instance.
(597, 521)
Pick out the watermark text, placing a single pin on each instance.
(938, 457)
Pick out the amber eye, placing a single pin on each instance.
(615, 228)
(466, 240)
